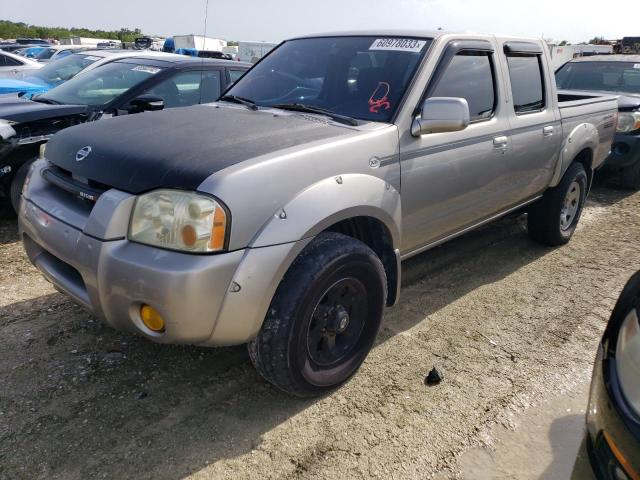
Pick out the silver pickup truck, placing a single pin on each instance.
(279, 215)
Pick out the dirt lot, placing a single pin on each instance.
(508, 321)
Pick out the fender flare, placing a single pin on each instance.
(583, 137)
(329, 201)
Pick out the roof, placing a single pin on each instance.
(60, 47)
(380, 33)
(173, 58)
(609, 58)
(432, 34)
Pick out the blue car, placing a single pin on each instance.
(26, 87)
(47, 77)
(31, 52)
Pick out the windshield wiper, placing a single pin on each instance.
(301, 107)
(45, 100)
(244, 101)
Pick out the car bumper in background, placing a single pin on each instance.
(625, 151)
(614, 452)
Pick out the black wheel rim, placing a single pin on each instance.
(337, 322)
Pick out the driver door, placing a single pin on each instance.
(451, 181)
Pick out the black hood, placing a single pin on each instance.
(181, 147)
(21, 110)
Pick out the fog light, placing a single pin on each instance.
(152, 318)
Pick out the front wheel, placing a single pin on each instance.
(17, 183)
(553, 219)
(631, 176)
(324, 317)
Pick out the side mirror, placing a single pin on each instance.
(146, 103)
(441, 114)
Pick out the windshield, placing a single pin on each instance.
(360, 77)
(45, 53)
(600, 76)
(102, 84)
(62, 70)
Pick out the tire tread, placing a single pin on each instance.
(269, 350)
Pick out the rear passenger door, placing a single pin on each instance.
(9, 65)
(535, 129)
(453, 180)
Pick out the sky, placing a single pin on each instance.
(275, 20)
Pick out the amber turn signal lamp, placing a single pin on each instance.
(152, 318)
(218, 230)
(626, 465)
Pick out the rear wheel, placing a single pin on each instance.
(324, 317)
(17, 183)
(630, 177)
(554, 218)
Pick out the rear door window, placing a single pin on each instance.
(234, 75)
(470, 75)
(6, 61)
(189, 88)
(527, 85)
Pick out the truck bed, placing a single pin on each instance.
(570, 98)
(577, 108)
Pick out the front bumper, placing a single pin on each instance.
(608, 436)
(113, 277)
(625, 151)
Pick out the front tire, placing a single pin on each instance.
(554, 218)
(324, 317)
(16, 184)
(630, 177)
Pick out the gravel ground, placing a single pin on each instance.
(509, 322)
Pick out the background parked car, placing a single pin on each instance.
(58, 72)
(12, 65)
(29, 52)
(613, 416)
(618, 74)
(55, 52)
(32, 41)
(144, 82)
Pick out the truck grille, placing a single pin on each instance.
(78, 187)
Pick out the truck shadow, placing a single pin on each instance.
(81, 400)
(607, 190)
(8, 225)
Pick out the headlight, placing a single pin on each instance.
(628, 359)
(6, 129)
(177, 220)
(628, 122)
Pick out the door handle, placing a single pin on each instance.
(547, 131)
(500, 142)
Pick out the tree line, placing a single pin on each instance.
(22, 30)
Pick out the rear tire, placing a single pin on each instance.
(553, 219)
(17, 183)
(630, 177)
(324, 317)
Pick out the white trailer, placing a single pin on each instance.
(199, 42)
(253, 51)
(90, 42)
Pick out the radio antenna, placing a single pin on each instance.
(204, 42)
